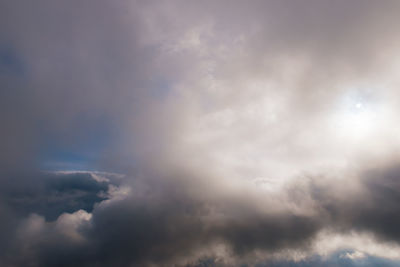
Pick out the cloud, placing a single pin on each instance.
(53, 194)
(165, 226)
(219, 133)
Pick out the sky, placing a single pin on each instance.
(199, 133)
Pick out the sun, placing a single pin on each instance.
(356, 116)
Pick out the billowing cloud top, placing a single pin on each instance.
(199, 133)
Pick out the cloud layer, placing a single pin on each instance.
(213, 133)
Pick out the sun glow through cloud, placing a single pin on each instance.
(357, 118)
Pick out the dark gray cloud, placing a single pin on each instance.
(164, 225)
(170, 227)
(156, 229)
(53, 194)
(372, 209)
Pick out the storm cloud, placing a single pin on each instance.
(186, 133)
